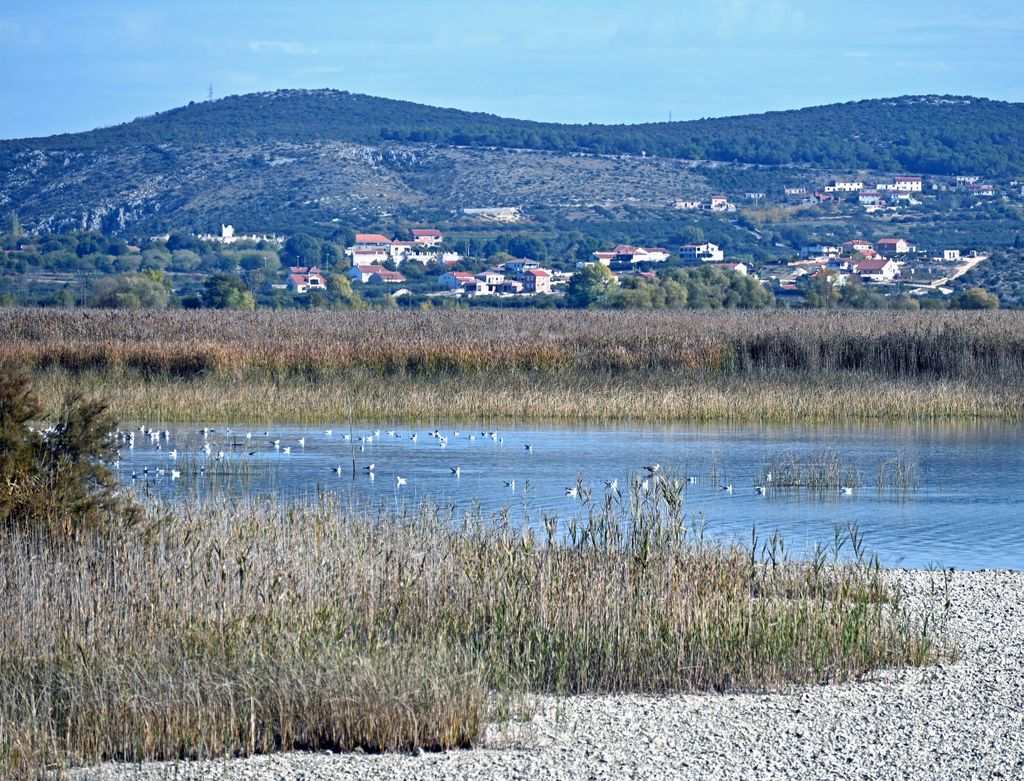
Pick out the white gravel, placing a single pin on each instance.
(959, 721)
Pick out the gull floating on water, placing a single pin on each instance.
(727, 488)
(399, 480)
(760, 490)
(369, 468)
(457, 471)
(574, 491)
(328, 432)
(846, 490)
(653, 467)
(510, 484)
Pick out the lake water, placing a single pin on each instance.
(964, 506)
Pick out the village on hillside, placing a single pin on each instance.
(378, 260)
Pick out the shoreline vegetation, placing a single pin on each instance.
(231, 630)
(327, 366)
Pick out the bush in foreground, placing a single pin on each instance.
(55, 479)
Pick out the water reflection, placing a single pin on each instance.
(960, 508)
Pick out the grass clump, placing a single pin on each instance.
(221, 630)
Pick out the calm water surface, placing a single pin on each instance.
(967, 510)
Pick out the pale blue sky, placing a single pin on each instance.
(68, 66)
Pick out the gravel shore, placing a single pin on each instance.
(963, 720)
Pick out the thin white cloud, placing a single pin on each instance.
(857, 55)
(282, 47)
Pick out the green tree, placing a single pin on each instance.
(14, 230)
(341, 286)
(975, 298)
(590, 286)
(301, 250)
(131, 291)
(54, 473)
(224, 291)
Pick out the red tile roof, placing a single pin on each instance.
(371, 238)
(538, 272)
(426, 233)
(389, 276)
(371, 269)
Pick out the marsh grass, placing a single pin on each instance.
(312, 367)
(219, 630)
(818, 471)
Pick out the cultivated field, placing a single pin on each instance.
(562, 366)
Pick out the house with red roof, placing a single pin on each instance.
(302, 279)
(878, 269)
(720, 203)
(857, 245)
(427, 237)
(536, 280)
(453, 280)
(889, 247)
(390, 277)
(363, 273)
(372, 240)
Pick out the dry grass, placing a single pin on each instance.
(219, 631)
(317, 366)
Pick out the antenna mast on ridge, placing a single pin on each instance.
(209, 92)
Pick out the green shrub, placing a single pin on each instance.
(56, 478)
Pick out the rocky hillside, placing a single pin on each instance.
(289, 159)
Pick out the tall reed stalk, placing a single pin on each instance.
(220, 630)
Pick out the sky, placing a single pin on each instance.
(67, 66)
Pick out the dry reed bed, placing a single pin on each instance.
(949, 345)
(565, 365)
(213, 631)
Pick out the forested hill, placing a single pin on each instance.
(924, 134)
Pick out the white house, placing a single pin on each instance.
(302, 279)
(820, 251)
(399, 249)
(427, 237)
(366, 256)
(889, 247)
(686, 204)
(857, 245)
(869, 198)
(625, 253)
(454, 279)
(701, 253)
(951, 255)
(905, 184)
(720, 203)
(491, 279)
(878, 270)
(739, 268)
(844, 187)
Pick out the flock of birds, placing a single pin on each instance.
(249, 443)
